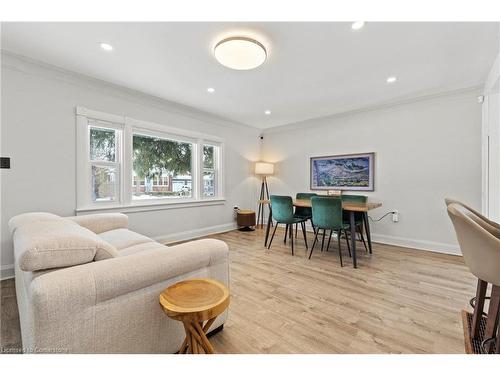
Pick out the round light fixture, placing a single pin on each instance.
(240, 53)
(267, 112)
(210, 90)
(357, 25)
(106, 46)
(391, 79)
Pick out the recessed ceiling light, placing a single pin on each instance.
(211, 90)
(357, 25)
(267, 112)
(391, 79)
(106, 46)
(240, 53)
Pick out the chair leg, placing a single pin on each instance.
(291, 236)
(286, 232)
(329, 239)
(271, 240)
(493, 311)
(323, 240)
(363, 238)
(478, 307)
(314, 242)
(312, 225)
(340, 251)
(296, 225)
(303, 225)
(348, 244)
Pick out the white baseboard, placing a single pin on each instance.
(195, 233)
(7, 272)
(437, 247)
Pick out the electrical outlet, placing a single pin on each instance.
(395, 216)
(5, 163)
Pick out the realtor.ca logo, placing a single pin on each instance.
(35, 350)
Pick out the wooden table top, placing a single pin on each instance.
(348, 206)
(195, 299)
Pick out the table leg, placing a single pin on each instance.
(268, 225)
(367, 229)
(353, 238)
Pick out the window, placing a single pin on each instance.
(123, 162)
(154, 158)
(209, 170)
(103, 163)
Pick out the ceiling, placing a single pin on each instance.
(312, 70)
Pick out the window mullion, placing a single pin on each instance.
(127, 167)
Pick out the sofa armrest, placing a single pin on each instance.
(99, 223)
(137, 271)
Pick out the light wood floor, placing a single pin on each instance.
(398, 300)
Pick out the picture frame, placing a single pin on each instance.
(354, 172)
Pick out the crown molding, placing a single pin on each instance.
(27, 65)
(373, 108)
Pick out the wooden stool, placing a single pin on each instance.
(245, 220)
(193, 302)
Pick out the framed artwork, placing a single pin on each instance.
(343, 172)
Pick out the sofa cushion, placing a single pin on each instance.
(145, 246)
(30, 217)
(58, 243)
(122, 238)
(99, 223)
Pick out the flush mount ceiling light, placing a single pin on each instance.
(357, 25)
(391, 79)
(106, 46)
(210, 90)
(267, 112)
(240, 53)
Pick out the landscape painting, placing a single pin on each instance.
(343, 172)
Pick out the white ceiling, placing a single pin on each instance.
(313, 69)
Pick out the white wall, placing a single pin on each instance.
(491, 142)
(425, 151)
(38, 133)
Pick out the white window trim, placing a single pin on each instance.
(127, 127)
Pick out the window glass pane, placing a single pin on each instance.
(169, 160)
(209, 184)
(102, 144)
(208, 157)
(103, 183)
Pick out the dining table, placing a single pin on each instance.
(351, 208)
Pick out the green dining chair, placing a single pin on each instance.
(304, 212)
(327, 215)
(282, 213)
(358, 216)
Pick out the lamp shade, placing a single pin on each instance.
(264, 168)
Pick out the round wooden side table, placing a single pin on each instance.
(194, 302)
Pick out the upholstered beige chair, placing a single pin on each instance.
(480, 247)
(493, 226)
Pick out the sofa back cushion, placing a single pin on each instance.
(57, 243)
(31, 217)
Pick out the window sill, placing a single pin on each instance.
(152, 206)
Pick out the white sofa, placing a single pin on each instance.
(88, 284)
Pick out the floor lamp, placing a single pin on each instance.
(263, 169)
